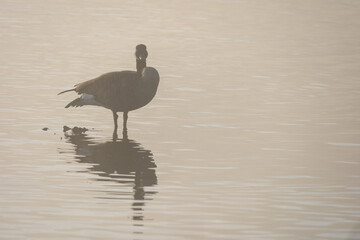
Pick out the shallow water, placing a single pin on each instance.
(254, 132)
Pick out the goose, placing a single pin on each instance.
(123, 91)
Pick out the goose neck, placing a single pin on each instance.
(140, 65)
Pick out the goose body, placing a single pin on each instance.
(118, 91)
(123, 91)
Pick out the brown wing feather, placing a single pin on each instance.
(114, 90)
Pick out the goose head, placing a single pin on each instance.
(141, 53)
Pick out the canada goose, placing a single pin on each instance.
(120, 91)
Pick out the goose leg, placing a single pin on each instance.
(125, 118)
(115, 136)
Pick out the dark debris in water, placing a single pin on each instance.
(79, 130)
(75, 130)
(45, 129)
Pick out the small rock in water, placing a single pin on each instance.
(66, 128)
(45, 129)
(75, 130)
(79, 130)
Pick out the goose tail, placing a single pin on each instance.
(66, 91)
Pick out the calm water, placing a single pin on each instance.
(254, 132)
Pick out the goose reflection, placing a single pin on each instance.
(122, 161)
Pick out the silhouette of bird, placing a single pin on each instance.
(123, 91)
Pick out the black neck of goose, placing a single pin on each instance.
(140, 65)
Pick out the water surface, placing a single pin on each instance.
(254, 132)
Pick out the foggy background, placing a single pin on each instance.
(254, 132)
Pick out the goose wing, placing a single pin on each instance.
(114, 90)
